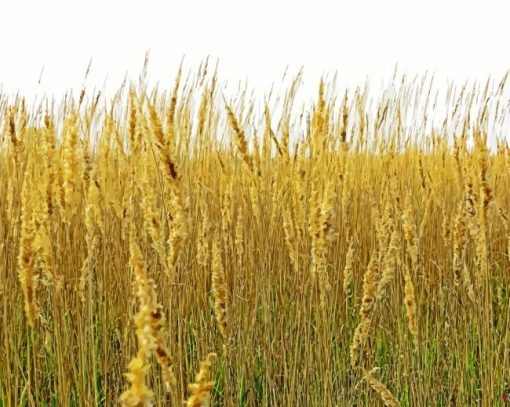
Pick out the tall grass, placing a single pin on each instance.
(353, 252)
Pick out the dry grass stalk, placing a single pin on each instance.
(484, 200)
(240, 139)
(220, 294)
(149, 321)
(27, 271)
(411, 308)
(203, 238)
(390, 261)
(291, 238)
(348, 269)
(370, 288)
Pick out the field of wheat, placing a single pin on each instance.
(189, 246)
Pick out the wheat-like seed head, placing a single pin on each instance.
(220, 295)
(386, 396)
(201, 388)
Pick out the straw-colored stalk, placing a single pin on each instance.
(348, 268)
(460, 241)
(93, 222)
(411, 308)
(239, 237)
(71, 167)
(291, 238)
(240, 139)
(254, 191)
(203, 238)
(390, 262)
(42, 238)
(484, 200)
(27, 271)
(178, 203)
(226, 210)
(149, 321)
(152, 216)
(220, 295)
(370, 288)
(506, 226)
(410, 234)
(321, 232)
(299, 195)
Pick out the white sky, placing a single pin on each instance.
(252, 39)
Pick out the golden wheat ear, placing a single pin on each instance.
(201, 388)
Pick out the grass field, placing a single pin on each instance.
(181, 245)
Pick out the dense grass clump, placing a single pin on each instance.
(161, 248)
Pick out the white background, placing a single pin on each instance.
(457, 40)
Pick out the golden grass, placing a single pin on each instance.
(306, 248)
